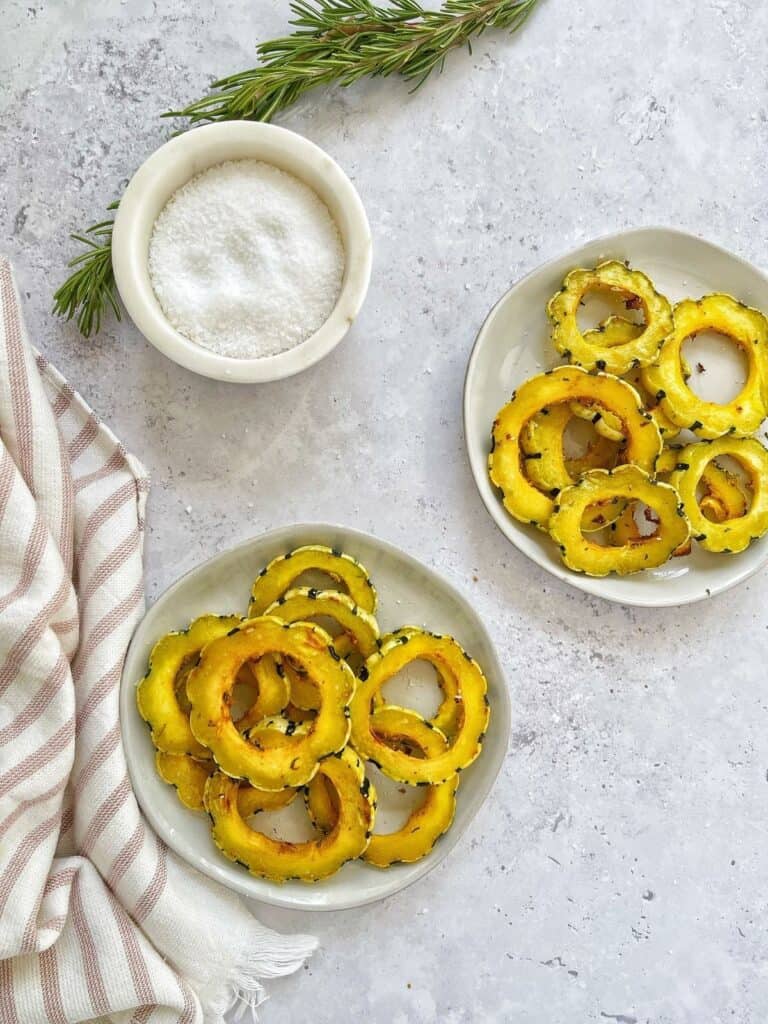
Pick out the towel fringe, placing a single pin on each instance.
(274, 956)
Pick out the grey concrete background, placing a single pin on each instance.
(618, 873)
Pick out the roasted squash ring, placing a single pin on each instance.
(308, 861)
(605, 423)
(542, 442)
(157, 693)
(395, 654)
(629, 483)
(723, 498)
(615, 330)
(625, 530)
(305, 602)
(276, 579)
(426, 823)
(189, 776)
(506, 462)
(360, 631)
(666, 380)
(731, 535)
(210, 687)
(587, 351)
(272, 691)
(448, 716)
(547, 466)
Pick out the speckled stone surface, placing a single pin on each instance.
(619, 872)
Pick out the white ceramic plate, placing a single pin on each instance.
(513, 345)
(409, 593)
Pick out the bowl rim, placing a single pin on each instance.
(493, 759)
(586, 584)
(129, 255)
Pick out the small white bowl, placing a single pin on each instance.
(172, 166)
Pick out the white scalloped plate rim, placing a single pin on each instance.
(405, 586)
(503, 357)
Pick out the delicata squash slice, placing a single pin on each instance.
(667, 379)
(722, 496)
(507, 462)
(272, 692)
(444, 652)
(448, 716)
(189, 777)
(543, 445)
(613, 331)
(210, 692)
(621, 353)
(729, 535)
(360, 630)
(160, 701)
(427, 822)
(277, 578)
(546, 464)
(279, 861)
(632, 484)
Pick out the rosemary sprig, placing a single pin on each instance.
(340, 41)
(91, 289)
(334, 41)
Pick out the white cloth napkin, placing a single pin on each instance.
(98, 919)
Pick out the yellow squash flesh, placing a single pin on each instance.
(395, 654)
(426, 823)
(730, 535)
(308, 861)
(210, 687)
(360, 631)
(588, 350)
(506, 462)
(278, 577)
(157, 694)
(627, 483)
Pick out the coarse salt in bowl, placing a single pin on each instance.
(177, 314)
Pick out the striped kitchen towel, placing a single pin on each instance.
(98, 919)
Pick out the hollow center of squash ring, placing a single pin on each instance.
(319, 580)
(290, 824)
(646, 520)
(598, 304)
(581, 438)
(395, 802)
(244, 692)
(738, 475)
(717, 364)
(415, 686)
